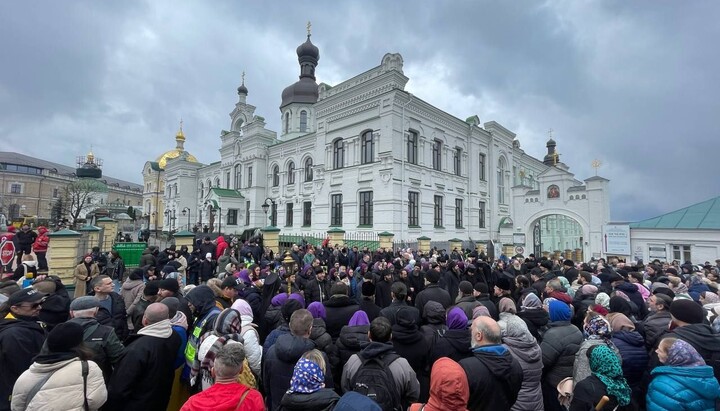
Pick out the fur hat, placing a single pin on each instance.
(687, 311)
(503, 284)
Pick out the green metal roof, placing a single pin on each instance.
(705, 215)
(224, 192)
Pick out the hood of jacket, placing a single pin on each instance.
(459, 340)
(406, 335)
(202, 298)
(323, 400)
(699, 336)
(290, 348)
(354, 337)
(497, 359)
(9, 322)
(449, 388)
(318, 328)
(631, 337)
(160, 329)
(524, 349)
(699, 380)
(376, 349)
(50, 367)
(434, 312)
(339, 301)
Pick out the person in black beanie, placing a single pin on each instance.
(367, 301)
(150, 295)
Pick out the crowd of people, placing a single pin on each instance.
(227, 325)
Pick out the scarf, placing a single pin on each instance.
(226, 328)
(279, 300)
(317, 310)
(307, 377)
(597, 328)
(160, 329)
(359, 318)
(682, 354)
(558, 310)
(603, 299)
(506, 305)
(456, 319)
(531, 301)
(605, 365)
(620, 322)
(710, 298)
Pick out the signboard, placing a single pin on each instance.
(7, 252)
(519, 238)
(520, 250)
(616, 239)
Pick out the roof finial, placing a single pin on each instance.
(550, 132)
(309, 26)
(243, 77)
(181, 123)
(180, 136)
(596, 164)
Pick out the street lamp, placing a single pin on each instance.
(185, 211)
(216, 212)
(265, 206)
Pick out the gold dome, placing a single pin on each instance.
(175, 153)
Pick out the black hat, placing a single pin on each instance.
(665, 291)
(152, 288)
(368, 289)
(671, 271)
(503, 283)
(687, 311)
(466, 287)
(26, 295)
(232, 282)
(547, 264)
(569, 263)
(271, 278)
(432, 276)
(169, 284)
(64, 337)
(613, 276)
(289, 307)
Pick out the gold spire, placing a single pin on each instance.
(180, 136)
(309, 26)
(90, 158)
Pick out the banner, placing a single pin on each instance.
(616, 239)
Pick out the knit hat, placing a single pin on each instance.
(368, 289)
(173, 305)
(151, 288)
(84, 303)
(503, 283)
(588, 289)
(687, 311)
(569, 263)
(547, 264)
(64, 337)
(466, 287)
(289, 307)
(169, 284)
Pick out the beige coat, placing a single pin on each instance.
(81, 275)
(63, 390)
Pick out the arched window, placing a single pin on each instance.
(303, 121)
(291, 173)
(238, 176)
(501, 180)
(338, 154)
(308, 170)
(202, 190)
(367, 147)
(275, 176)
(287, 122)
(217, 182)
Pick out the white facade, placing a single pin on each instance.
(697, 246)
(369, 156)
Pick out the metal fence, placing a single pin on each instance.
(286, 241)
(362, 239)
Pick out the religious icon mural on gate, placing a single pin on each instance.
(553, 191)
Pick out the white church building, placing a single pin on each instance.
(367, 156)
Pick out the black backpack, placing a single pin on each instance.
(374, 380)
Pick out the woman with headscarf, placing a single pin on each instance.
(250, 336)
(307, 386)
(597, 331)
(531, 311)
(273, 316)
(524, 347)
(454, 342)
(55, 379)
(606, 380)
(603, 299)
(320, 336)
(631, 346)
(684, 382)
(353, 336)
(560, 343)
(449, 388)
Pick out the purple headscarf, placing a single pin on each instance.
(244, 275)
(359, 318)
(317, 310)
(299, 298)
(456, 319)
(279, 300)
(682, 354)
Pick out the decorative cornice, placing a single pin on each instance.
(357, 99)
(356, 110)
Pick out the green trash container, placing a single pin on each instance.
(130, 252)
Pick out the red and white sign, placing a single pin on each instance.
(7, 252)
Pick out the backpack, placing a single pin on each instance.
(375, 380)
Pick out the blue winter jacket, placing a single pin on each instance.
(682, 388)
(634, 357)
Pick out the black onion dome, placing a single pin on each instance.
(309, 50)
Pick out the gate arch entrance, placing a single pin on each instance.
(558, 235)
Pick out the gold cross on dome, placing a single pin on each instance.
(309, 25)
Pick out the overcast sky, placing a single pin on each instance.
(633, 84)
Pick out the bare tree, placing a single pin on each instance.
(79, 196)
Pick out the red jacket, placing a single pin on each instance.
(42, 241)
(221, 246)
(225, 397)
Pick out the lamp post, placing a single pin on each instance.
(216, 212)
(155, 217)
(265, 206)
(185, 211)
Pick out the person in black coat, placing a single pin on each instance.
(480, 291)
(339, 309)
(318, 288)
(434, 314)
(112, 310)
(206, 268)
(367, 302)
(383, 292)
(353, 337)
(399, 296)
(56, 307)
(569, 271)
(307, 391)
(410, 344)
(21, 338)
(432, 292)
(454, 342)
(143, 378)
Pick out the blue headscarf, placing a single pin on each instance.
(307, 377)
(559, 311)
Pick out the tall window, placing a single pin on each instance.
(438, 211)
(217, 182)
(437, 155)
(307, 214)
(303, 121)
(412, 147)
(413, 208)
(56, 192)
(238, 176)
(481, 165)
(308, 170)
(275, 176)
(287, 122)
(336, 210)
(681, 253)
(232, 216)
(202, 190)
(15, 188)
(457, 155)
(458, 213)
(482, 214)
(338, 154)
(367, 147)
(288, 214)
(247, 213)
(291, 173)
(366, 208)
(501, 180)
(227, 181)
(249, 183)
